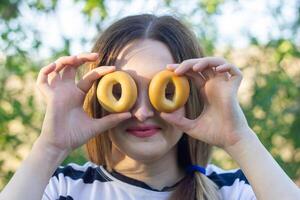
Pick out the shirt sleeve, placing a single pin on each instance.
(239, 190)
(232, 184)
(51, 190)
(56, 186)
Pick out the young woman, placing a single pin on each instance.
(170, 163)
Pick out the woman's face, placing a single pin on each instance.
(142, 59)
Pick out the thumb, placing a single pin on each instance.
(177, 120)
(109, 121)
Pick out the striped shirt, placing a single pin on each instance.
(91, 181)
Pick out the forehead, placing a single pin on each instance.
(142, 59)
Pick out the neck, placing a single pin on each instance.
(155, 173)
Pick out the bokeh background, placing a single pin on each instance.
(261, 37)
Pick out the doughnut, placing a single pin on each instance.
(128, 92)
(157, 90)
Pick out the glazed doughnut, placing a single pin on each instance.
(158, 86)
(105, 92)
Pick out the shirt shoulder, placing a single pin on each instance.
(73, 180)
(87, 173)
(232, 184)
(91, 181)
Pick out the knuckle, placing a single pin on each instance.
(42, 70)
(89, 75)
(197, 65)
(185, 62)
(82, 55)
(73, 58)
(60, 59)
(96, 70)
(64, 59)
(188, 61)
(70, 59)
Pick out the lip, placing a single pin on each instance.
(143, 131)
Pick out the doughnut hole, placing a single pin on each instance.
(170, 90)
(117, 91)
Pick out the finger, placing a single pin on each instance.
(74, 61)
(223, 76)
(53, 78)
(42, 79)
(172, 66)
(203, 97)
(208, 73)
(198, 78)
(68, 74)
(208, 62)
(177, 120)
(185, 66)
(109, 121)
(89, 78)
(65, 61)
(235, 72)
(88, 56)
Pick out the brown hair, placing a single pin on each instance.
(183, 45)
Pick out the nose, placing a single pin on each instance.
(143, 109)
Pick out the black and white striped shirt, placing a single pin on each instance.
(92, 182)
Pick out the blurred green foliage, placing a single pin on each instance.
(273, 110)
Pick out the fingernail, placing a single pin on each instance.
(171, 66)
(53, 65)
(95, 54)
(177, 71)
(109, 67)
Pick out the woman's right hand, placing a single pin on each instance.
(66, 126)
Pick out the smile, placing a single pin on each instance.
(145, 131)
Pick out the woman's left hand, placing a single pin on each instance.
(222, 121)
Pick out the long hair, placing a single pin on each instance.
(183, 45)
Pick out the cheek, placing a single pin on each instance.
(115, 136)
(173, 135)
(173, 132)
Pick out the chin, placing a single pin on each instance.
(142, 149)
(146, 152)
